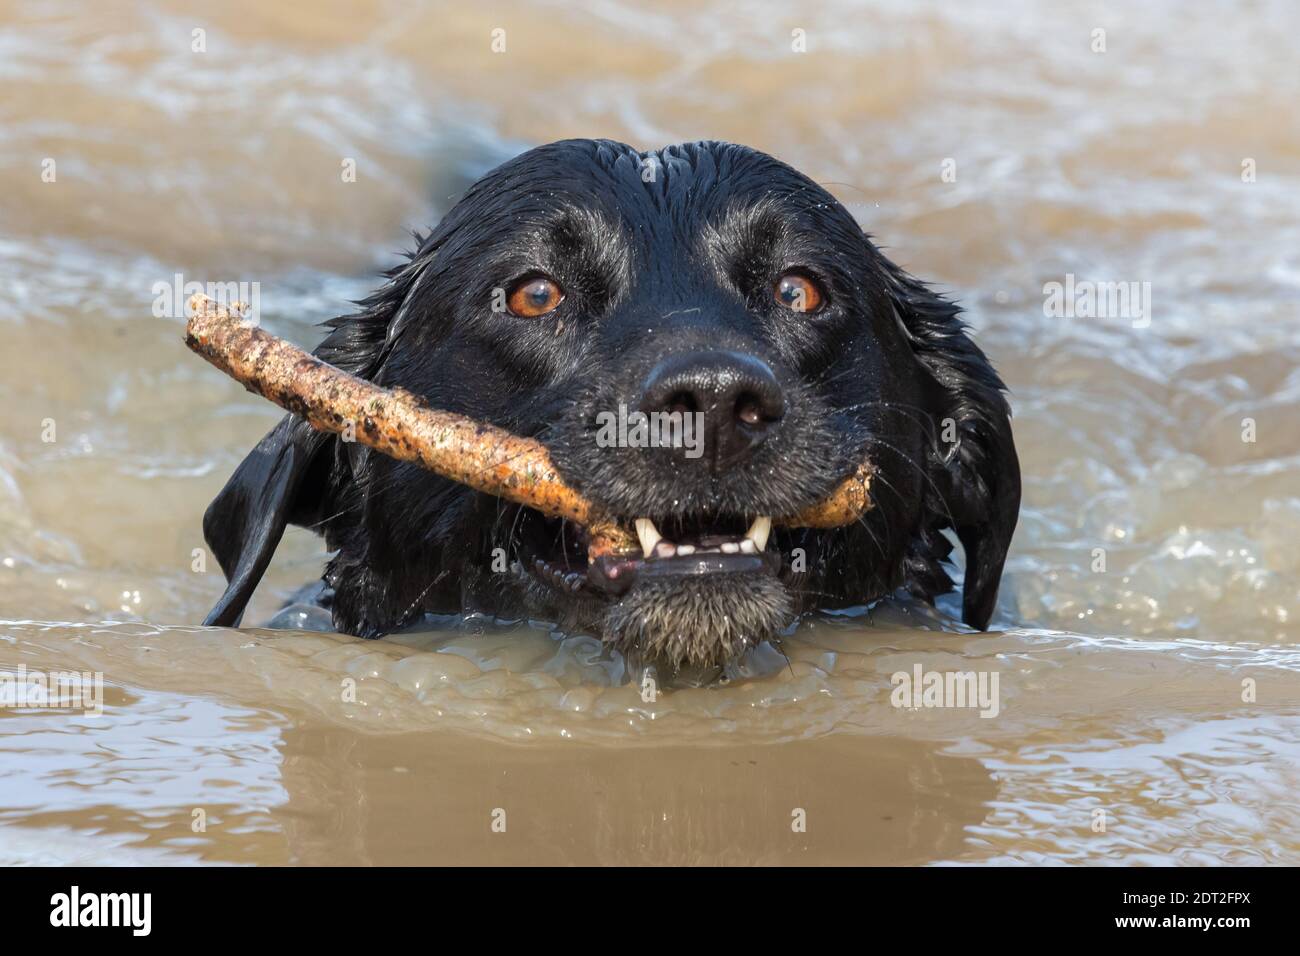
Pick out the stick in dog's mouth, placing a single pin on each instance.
(481, 456)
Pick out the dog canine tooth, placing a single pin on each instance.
(649, 535)
(758, 532)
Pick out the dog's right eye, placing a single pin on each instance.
(798, 293)
(534, 296)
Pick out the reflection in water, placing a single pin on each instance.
(124, 787)
(1147, 659)
(444, 729)
(785, 803)
(1171, 793)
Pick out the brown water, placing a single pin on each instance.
(1126, 690)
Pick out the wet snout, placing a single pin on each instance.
(736, 393)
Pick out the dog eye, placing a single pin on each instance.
(798, 293)
(533, 297)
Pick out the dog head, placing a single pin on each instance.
(706, 341)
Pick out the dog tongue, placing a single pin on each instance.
(612, 574)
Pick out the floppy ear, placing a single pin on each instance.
(975, 471)
(271, 487)
(286, 478)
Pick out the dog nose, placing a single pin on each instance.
(737, 394)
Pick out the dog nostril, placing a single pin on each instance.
(760, 409)
(683, 402)
(749, 411)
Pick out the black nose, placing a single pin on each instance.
(737, 394)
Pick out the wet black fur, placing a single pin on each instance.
(682, 261)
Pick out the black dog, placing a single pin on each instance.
(708, 282)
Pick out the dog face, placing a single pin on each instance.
(705, 340)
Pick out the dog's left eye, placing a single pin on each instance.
(533, 297)
(798, 293)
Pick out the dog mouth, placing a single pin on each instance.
(695, 548)
(683, 591)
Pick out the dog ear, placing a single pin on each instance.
(273, 486)
(974, 467)
(285, 479)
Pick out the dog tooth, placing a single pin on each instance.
(758, 532)
(684, 550)
(649, 535)
(665, 549)
(730, 547)
(748, 547)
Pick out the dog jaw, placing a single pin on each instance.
(697, 622)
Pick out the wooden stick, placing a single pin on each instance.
(401, 425)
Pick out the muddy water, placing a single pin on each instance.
(1147, 646)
